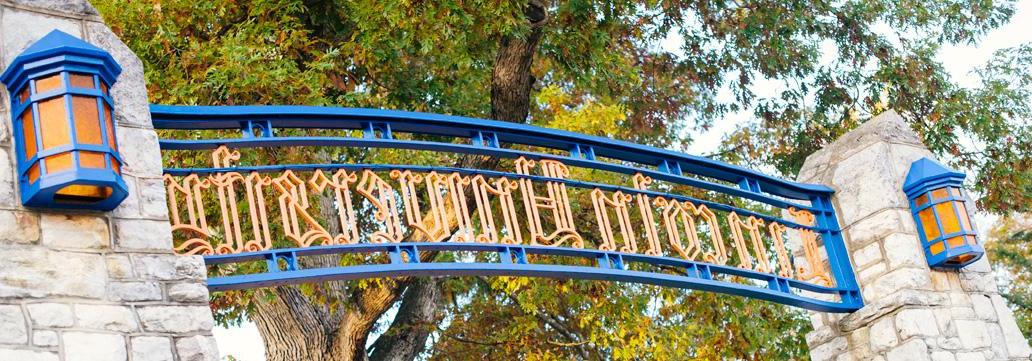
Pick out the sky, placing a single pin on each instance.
(245, 344)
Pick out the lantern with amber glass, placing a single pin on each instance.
(64, 134)
(940, 208)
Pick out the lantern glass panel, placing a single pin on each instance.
(109, 126)
(34, 173)
(956, 241)
(936, 248)
(49, 83)
(962, 210)
(53, 123)
(81, 81)
(931, 230)
(78, 193)
(91, 160)
(922, 200)
(87, 120)
(950, 223)
(940, 193)
(59, 162)
(29, 134)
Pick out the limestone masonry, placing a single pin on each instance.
(911, 312)
(87, 285)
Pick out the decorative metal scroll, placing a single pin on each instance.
(776, 249)
(426, 205)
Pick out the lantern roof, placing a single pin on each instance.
(926, 172)
(56, 49)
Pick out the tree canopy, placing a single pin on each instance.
(595, 67)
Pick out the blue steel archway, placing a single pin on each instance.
(825, 282)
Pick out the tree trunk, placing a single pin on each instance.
(416, 319)
(295, 327)
(511, 79)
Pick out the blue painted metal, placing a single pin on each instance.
(611, 266)
(234, 117)
(61, 54)
(492, 138)
(926, 175)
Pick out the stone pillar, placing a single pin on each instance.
(911, 312)
(90, 285)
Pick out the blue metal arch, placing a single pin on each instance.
(488, 137)
(609, 266)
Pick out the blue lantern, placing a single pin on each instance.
(940, 209)
(64, 134)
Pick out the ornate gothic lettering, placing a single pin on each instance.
(645, 207)
(196, 226)
(777, 232)
(618, 203)
(752, 225)
(298, 225)
(502, 189)
(815, 269)
(557, 201)
(380, 194)
(341, 185)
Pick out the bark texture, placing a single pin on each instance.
(511, 79)
(295, 327)
(416, 319)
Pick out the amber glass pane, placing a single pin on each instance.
(24, 95)
(955, 191)
(936, 248)
(939, 193)
(34, 173)
(53, 123)
(29, 134)
(49, 83)
(115, 166)
(92, 160)
(947, 217)
(922, 200)
(87, 120)
(962, 209)
(931, 230)
(972, 240)
(81, 81)
(82, 193)
(109, 123)
(59, 162)
(103, 87)
(961, 259)
(956, 241)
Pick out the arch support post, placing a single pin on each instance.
(81, 280)
(912, 312)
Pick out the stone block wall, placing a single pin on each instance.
(911, 312)
(90, 285)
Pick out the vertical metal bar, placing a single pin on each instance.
(504, 255)
(395, 253)
(838, 256)
(272, 263)
(521, 255)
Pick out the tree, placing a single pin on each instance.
(1010, 246)
(595, 67)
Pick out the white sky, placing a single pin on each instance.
(245, 344)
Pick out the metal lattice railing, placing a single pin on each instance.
(525, 201)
